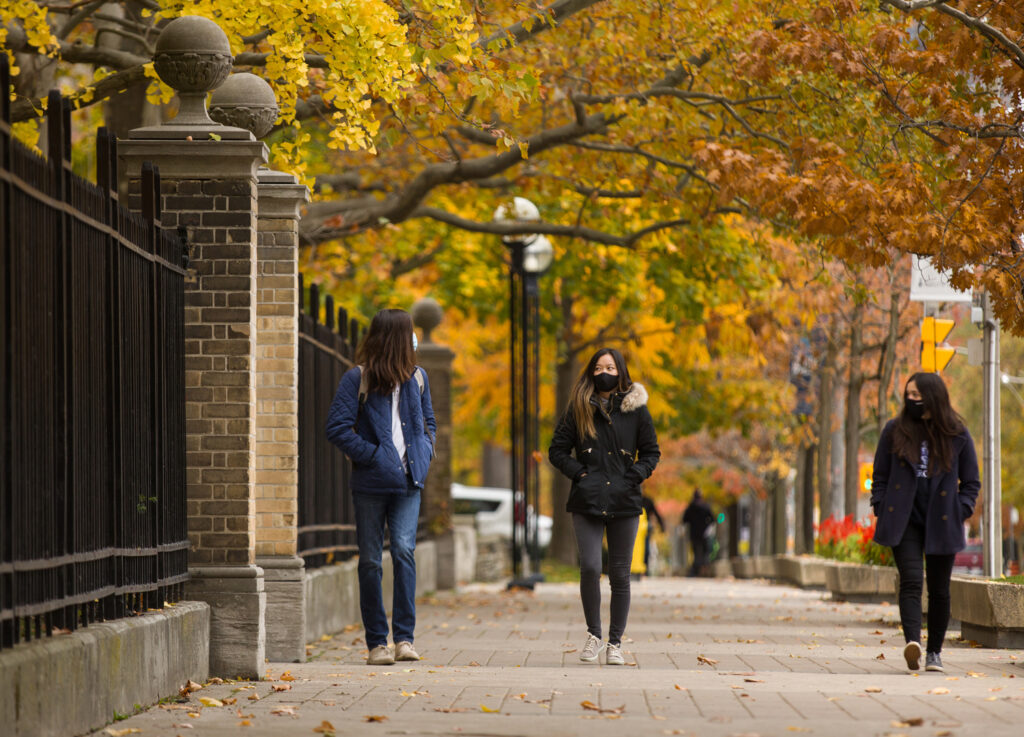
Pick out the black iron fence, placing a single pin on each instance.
(327, 350)
(92, 439)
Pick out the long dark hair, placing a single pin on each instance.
(583, 390)
(386, 353)
(943, 424)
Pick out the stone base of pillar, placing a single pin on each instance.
(285, 578)
(238, 604)
(446, 561)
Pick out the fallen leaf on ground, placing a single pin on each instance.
(449, 710)
(194, 714)
(474, 663)
(753, 680)
(281, 686)
(590, 705)
(991, 698)
(706, 661)
(876, 632)
(880, 656)
(183, 725)
(939, 691)
(284, 711)
(189, 687)
(245, 723)
(374, 718)
(325, 728)
(912, 722)
(975, 674)
(287, 676)
(121, 732)
(215, 680)
(231, 701)
(798, 729)
(680, 688)
(253, 697)
(488, 710)
(207, 701)
(873, 689)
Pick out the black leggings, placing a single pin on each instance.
(908, 555)
(621, 537)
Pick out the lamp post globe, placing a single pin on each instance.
(538, 255)
(521, 210)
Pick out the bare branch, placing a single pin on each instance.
(536, 24)
(106, 87)
(988, 31)
(569, 231)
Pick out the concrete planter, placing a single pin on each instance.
(756, 566)
(721, 568)
(990, 612)
(805, 571)
(861, 583)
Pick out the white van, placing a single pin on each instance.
(492, 509)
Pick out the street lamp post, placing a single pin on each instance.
(529, 256)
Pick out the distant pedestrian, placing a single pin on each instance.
(382, 419)
(606, 443)
(925, 484)
(652, 517)
(697, 518)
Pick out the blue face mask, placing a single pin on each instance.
(415, 343)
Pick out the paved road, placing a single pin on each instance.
(707, 658)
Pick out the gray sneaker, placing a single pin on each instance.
(912, 654)
(933, 661)
(380, 655)
(613, 655)
(592, 649)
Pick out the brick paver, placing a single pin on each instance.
(707, 658)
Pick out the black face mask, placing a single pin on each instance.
(605, 382)
(915, 409)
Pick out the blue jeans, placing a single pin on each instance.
(401, 513)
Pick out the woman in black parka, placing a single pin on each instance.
(606, 443)
(925, 484)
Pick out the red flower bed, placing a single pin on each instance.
(851, 541)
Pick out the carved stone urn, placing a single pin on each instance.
(245, 101)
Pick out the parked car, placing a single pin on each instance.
(970, 559)
(492, 509)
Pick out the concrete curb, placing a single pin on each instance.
(70, 684)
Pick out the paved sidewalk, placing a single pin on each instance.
(707, 658)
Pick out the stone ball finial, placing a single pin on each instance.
(16, 38)
(245, 101)
(193, 56)
(426, 315)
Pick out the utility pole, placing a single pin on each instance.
(992, 522)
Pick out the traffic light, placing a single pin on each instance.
(866, 471)
(934, 357)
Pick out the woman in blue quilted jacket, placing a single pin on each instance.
(382, 419)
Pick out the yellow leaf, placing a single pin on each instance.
(488, 710)
(207, 701)
(324, 728)
(121, 732)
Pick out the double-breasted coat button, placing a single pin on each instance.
(942, 493)
(892, 509)
(897, 486)
(944, 518)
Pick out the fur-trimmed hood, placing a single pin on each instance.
(635, 398)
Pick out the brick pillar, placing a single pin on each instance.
(437, 361)
(209, 186)
(277, 401)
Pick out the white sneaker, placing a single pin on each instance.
(592, 649)
(405, 651)
(912, 654)
(380, 655)
(613, 655)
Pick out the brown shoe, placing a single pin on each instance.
(380, 655)
(405, 651)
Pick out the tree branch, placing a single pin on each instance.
(106, 87)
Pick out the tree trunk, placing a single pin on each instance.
(826, 379)
(888, 358)
(853, 388)
(563, 539)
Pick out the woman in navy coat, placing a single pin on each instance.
(382, 419)
(925, 484)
